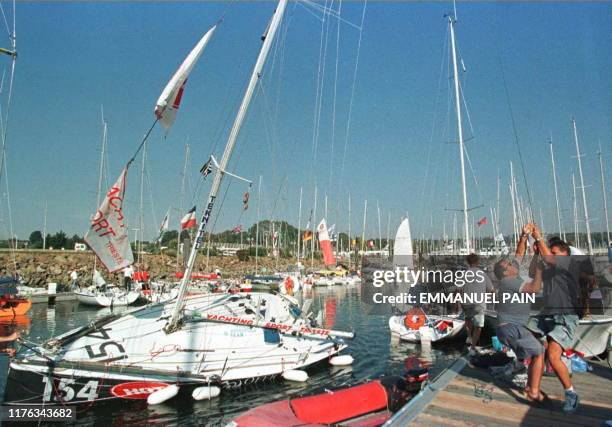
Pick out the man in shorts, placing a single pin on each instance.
(512, 318)
(475, 313)
(558, 319)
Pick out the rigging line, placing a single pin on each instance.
(331, 12)
(333, 134)
(434, 120)
(516, 141)
(467, 110)
(8, 30)
(309, 11)
(350, 111)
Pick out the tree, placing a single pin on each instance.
(58, 240)
(36, 240)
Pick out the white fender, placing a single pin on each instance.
(343, 360)
(204, 393)
(295, 375)
(162, 395)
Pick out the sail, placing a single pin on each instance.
(98, 280)
(170, 99)
(108, 235)
(326, 248)
(402, 248)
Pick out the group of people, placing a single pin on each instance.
(565, 281)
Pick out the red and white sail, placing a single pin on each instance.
(108, 235)
(189, 220)
(170, 99)
(326, 247)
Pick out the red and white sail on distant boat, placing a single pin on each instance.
(108, 235)
(170, 99)
(326, 247)
(189, 220)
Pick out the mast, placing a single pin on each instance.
(181, 213)
(45, 229)
(100, 178)
(268, 38)
(603, 192)
(379, 231)
(314, 221)
(141, 213)
(466, 225)
(584, 202)
(514, 224)
(365, 211)
(554, 173)
(299, 229)
(350, 241)
(257, 227)
(575, 200)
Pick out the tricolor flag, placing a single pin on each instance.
(206, 169)
(482, 221)
(170, 99)
(164, 226)
(108, 235)
(189, 220)
(326, 248)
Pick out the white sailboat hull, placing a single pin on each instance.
(454, 328)
(107, 299)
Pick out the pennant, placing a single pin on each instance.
(108, 235)
(245, 201)
(169, 101)
(482, 221)
(164, 226)
(189, 220)
(307, 236)
(206, 169)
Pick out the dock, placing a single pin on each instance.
(463, 395)
(46, 298)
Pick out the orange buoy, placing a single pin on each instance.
(414, 319)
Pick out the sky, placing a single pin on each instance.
(399, 151)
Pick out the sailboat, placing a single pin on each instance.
(192, 345)
(416, 325)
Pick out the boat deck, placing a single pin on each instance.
(470, 396)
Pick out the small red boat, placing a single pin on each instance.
(364, 405)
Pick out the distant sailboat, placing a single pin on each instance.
(402, 247)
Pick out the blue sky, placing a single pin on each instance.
(75, 57)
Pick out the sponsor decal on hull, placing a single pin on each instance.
(136, 390)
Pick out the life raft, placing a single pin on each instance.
(372, 403)
(414, 319)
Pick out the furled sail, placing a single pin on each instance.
(326, 248)
(108, 235)
(170, 99)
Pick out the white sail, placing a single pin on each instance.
(98, 280)
(170, 99)
(108, 235)
(402, 247)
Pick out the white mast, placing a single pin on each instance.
(181, 213)
(554, 172)
(45, 229)
(584, 202)
(100, 178)
(466, 225)
(514, 223)
(299, 229)
(220, 170)
(257, 227)
(365, 211)
(350, 241)
(379, 232)
(575, 200)
(603, 192)
(314, 226)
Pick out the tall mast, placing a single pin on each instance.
(45, 229)
(575, 201)
(257, 227)
(554, 173)
(603, 192)
(379, 231)
(229, 148)
(584, 202)
(514, 223)
(314, 222)
(350, 241)
(365, 211)
(100, 178)
(466, 225)
(181, 207)
(141, 207)
(299, 229)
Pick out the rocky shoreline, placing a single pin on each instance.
(37, 268)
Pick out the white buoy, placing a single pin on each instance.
(295, 375)
(343, 360)
(160, 396)
(205, 393)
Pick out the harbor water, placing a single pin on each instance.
(375, 354)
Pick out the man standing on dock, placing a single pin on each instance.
(558, 319)
(128, 273)
(475, 313)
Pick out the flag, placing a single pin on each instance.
(245, 201)
(326, 248)
(164, 226)
(482, 221)
(108, 235)
(370, 243)
(206, 169)
(237, 229)
(170, 99)
(189, 220)
(307, 236)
